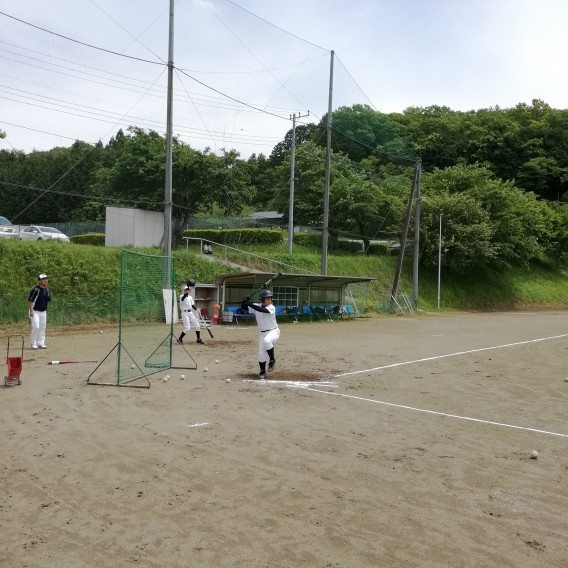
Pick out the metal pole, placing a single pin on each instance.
(416, 237)
(324, 235)
(403, 237)
(291, 205)
(439, 259)
(292, 174)
(167, 240)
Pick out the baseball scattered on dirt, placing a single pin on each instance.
(227, 380)
(133, 366)
(216, 361)
(165, 379)
(534, 455)
(182, 377)
(205, 369)
(102, 331)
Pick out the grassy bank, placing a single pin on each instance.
(85, 279)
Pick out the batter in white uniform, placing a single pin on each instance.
(269, 332)
(187, 307)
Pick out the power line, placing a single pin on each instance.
(277, 27)
(80, 42)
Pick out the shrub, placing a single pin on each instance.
(237, 236)
(95, 239)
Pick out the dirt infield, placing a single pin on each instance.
(403, 441)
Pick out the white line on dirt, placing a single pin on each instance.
(298, 384)
(442, 413)
(449, 355)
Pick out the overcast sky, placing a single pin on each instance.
(244, 66)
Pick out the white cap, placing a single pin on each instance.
(42, 276)
(185, 287)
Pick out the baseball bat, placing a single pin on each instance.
(266, 284)
(66, 362)
(206, 326)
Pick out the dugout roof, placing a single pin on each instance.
(256, 279)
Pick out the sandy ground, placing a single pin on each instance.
(416, 460)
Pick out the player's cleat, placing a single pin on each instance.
(180, 341)
(42, 346)
(262, 375)
(271, 364)
(200, 340)
(34, 346)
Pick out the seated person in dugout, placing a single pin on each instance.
(207, 248)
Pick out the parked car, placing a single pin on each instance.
(38, 233)
(7, 230)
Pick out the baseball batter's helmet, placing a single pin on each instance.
(191, 283)
(265, 294)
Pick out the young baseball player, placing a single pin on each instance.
(269, 333)
(187, 307)
(37, 301)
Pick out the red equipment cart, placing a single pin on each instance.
(14, 363)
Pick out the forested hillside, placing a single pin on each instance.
(498, 177)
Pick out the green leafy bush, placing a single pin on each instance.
(95, 239)
(237, 236)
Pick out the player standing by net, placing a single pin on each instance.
(187, 307)
(269, 333)
(37, 302)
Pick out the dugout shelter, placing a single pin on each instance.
(313, 295)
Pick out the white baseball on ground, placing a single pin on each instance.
(182, 377)
(165, 379)
(205, 369)
(133, 366)
(102, 331)
(227, 380)
(534, 455)
(216, 361)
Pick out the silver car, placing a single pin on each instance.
(7, 230)
(39, 233)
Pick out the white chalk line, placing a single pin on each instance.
(449, 355)
(441, 413)
(197, 425)
(299, 384)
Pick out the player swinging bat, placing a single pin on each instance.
(269, 332)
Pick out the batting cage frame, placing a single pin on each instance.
(147, 298)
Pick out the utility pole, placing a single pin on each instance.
(439, 260)
(292, 167)
(416, 236)
(325, 231)
(167, 239)
(403, 236)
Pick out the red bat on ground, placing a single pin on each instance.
(66, 362)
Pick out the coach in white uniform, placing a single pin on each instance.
(37, 302)
(269, 332)
(187, 307)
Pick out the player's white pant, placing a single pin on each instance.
(189, 319)
(38, 321)
(266, 341)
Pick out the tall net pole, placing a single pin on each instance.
(167, 240)
(324, 235)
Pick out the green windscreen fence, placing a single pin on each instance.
(146, 299)
(147, 310)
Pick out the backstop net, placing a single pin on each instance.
(146, 316)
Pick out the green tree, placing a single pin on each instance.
(522, 226)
